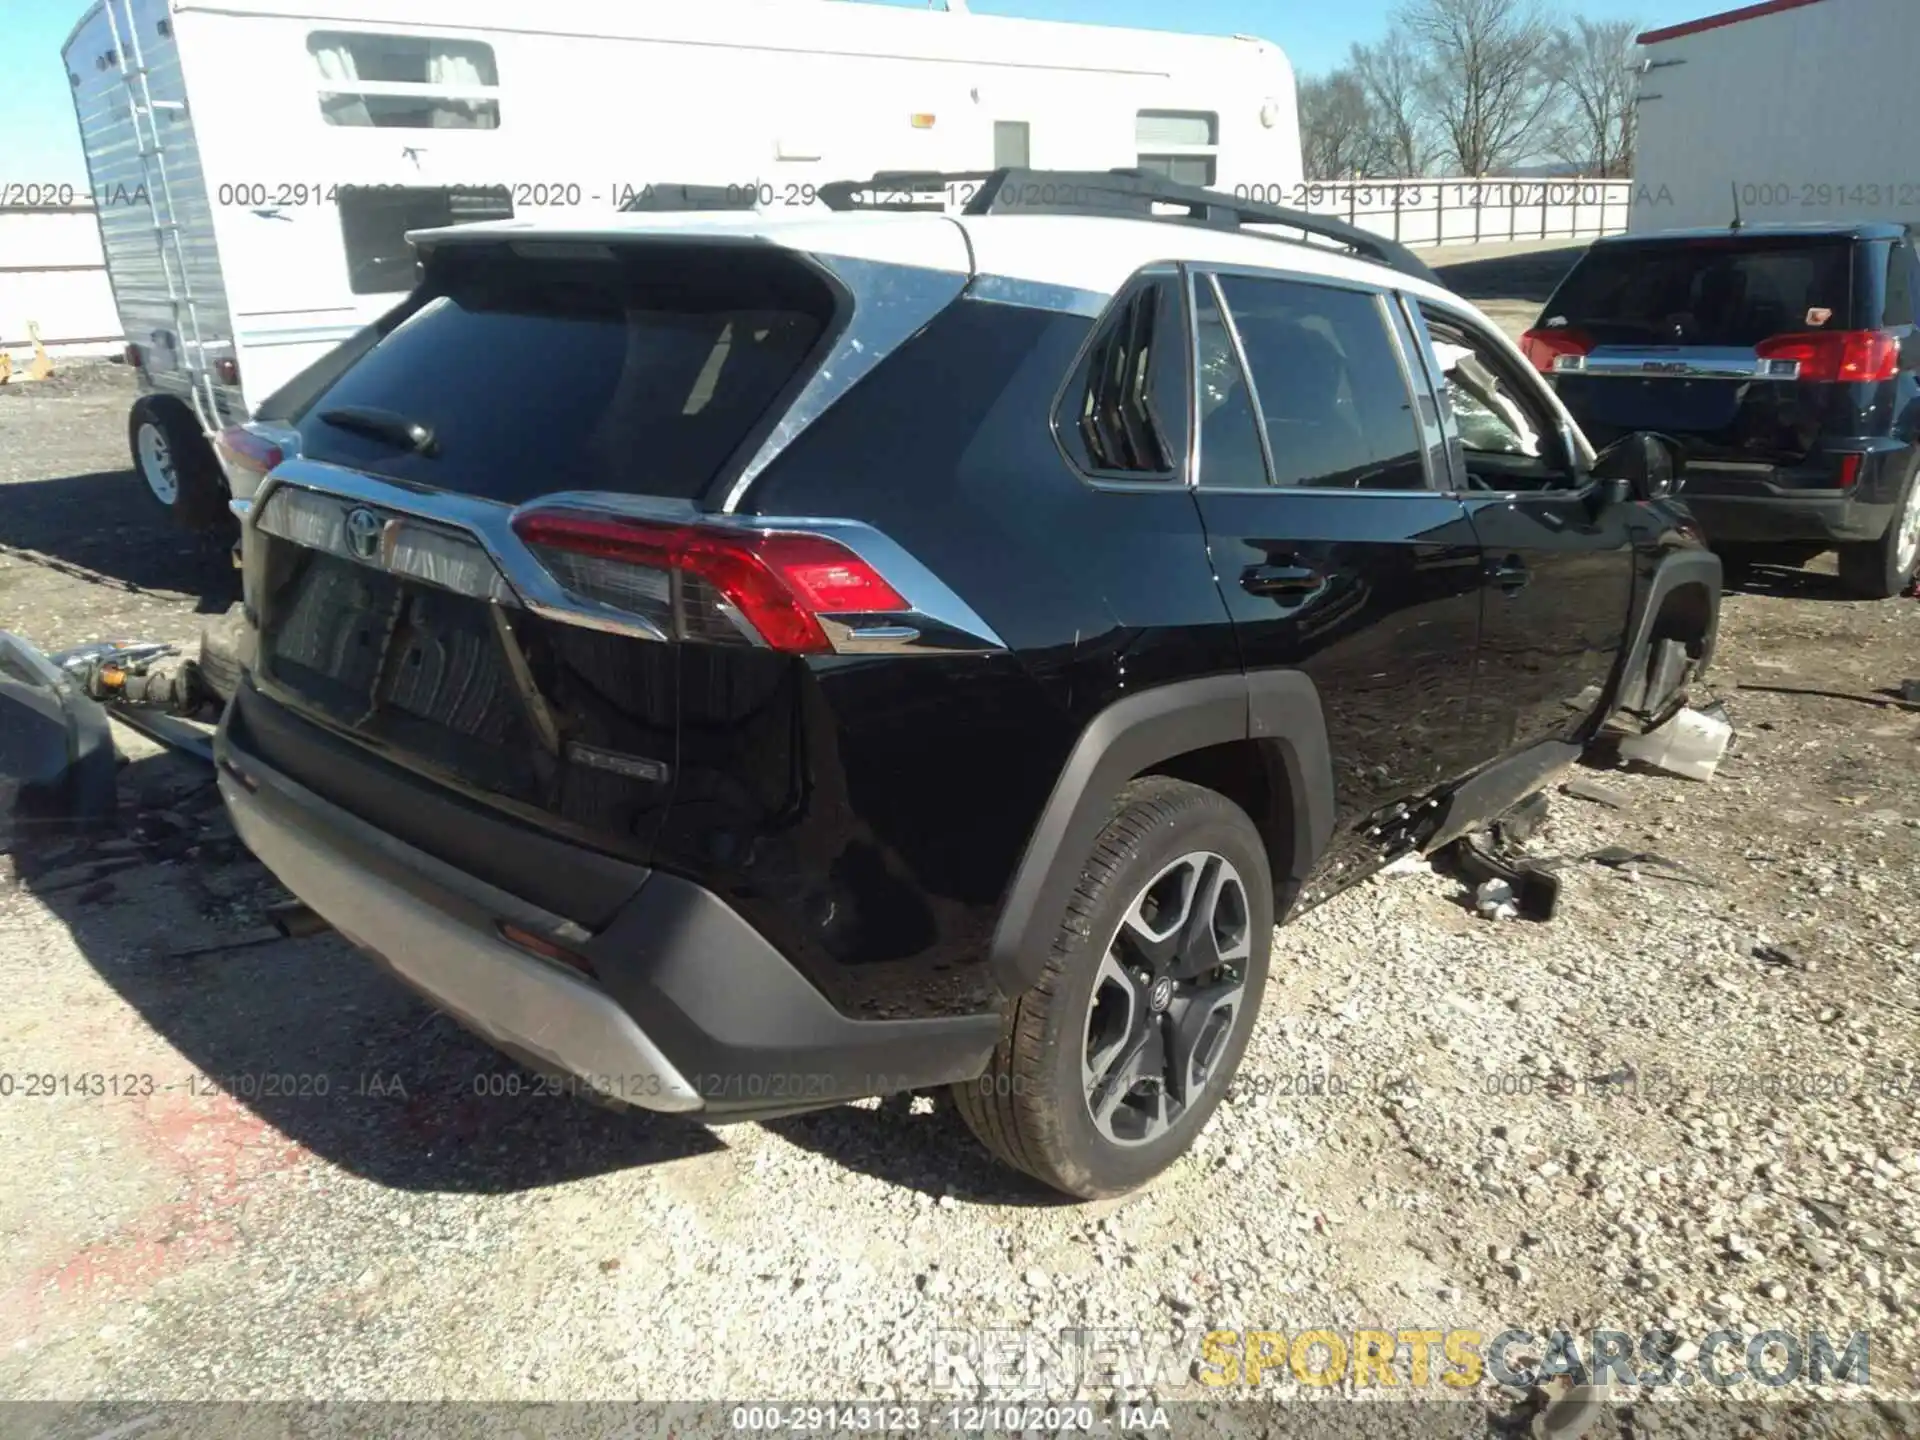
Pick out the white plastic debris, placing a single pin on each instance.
(1494, 900)
(1690, 745)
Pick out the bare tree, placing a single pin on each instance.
(1339, 139)
(1484, 81)
(1591, 64)
(1391, 75)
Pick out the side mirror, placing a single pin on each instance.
(1640, 466)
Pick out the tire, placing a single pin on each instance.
(1880, 569)
(175, 464)
(1168, 843)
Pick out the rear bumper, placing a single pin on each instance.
(1832, 516)
(689, 1009)
(1755, 504)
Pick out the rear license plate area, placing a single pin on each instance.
(414, 669)
(1681, 406)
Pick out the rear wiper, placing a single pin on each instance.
(384, 425)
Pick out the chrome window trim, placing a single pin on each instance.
(1037, 295)
(940, 621)
(1420, 383)
(1232, 328)
(1542, 397)
(890, 302)
(1385, 299)
(1455, 451)
(1189, 279)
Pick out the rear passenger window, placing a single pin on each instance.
(1123, 414)
(374, 221)
(1329, 385)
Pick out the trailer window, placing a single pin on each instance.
(413, 82)
(374, 221)
(1011, 144)
(1182, 145)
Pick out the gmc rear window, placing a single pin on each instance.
(1732, 292)
(586, 367)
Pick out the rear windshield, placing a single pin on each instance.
(1707, 292)
(640, 370)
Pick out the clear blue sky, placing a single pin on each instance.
(38, 143)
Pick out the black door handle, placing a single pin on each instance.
(1511, 573)
(1281, 580)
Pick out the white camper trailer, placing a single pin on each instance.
(258, 163)
(1737, 116)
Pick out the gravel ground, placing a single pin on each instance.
(1687, 1102)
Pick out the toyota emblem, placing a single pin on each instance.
(364, 529)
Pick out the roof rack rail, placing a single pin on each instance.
(1133, 194)
(905, 190)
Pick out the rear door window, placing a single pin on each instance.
(638, 370)
(1707, 292)
(1329, 384)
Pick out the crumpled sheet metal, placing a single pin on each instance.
(57, 761)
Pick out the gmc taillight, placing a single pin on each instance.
(136, 357)
(1839, 355)
(706, 582)
(1549, 349)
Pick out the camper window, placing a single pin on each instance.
(1011, 144)
(1182, 145)
(374, 224)
(413, 82)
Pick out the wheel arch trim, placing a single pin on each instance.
(1279, 710)
(1674, 572)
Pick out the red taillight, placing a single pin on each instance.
(1839, 355)
(1543, 347)
(135, 357)
(227, 370)
(1849, 470)
(780, 583)
(241, 447)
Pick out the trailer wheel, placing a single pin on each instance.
(175, 463)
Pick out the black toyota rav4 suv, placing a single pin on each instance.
(1785, 360)
(749, 663)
